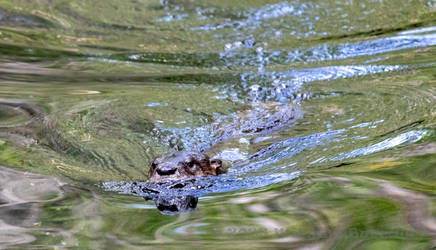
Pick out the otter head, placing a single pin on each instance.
(183, 165)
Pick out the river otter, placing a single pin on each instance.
(171, 179)
(182, 165)
(264, 118)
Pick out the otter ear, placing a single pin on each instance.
(217, 164)
(153, 166)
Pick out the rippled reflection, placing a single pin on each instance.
(21, 199)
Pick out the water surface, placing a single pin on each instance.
(91, 92)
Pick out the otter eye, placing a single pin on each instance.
(191, 164)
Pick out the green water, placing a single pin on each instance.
(92, 91)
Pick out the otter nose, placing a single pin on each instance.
(166, 170)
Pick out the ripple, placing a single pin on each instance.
(408, 137)
(260, 57)
(417, 31)
(199, 186)
(255, 17)
(284, 86)
(22, 196)
(246, 53)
